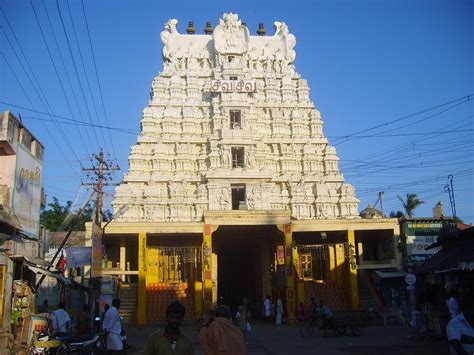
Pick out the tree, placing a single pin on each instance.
(58, 217)
(411, 203)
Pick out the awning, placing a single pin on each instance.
(10, 219)
(390, 274)
(37, 261)
(59, 277)
(458, 257)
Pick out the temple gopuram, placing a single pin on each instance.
(233, 190)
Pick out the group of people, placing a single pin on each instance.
(218, 336)
(60, 323)
(273, 311)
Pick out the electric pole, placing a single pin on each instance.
(103, 169)
(381, 205)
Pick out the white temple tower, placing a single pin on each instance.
(230, 126)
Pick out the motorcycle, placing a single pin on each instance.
(84, 344)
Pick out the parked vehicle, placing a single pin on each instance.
(340, 323)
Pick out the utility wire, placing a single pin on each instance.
(463, 98)
(74, 96)
(85, 71)
(75, 70)
(40, 93)
(31, 103)
(51, 59)
(97, 77)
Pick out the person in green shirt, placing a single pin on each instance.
(170, 341)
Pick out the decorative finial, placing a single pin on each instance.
(261, 30)
(208, 29)
(191, 30)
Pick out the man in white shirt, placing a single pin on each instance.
(453, 305)
(113, 327)
(60, 321)
(460, 330)
(267, 306)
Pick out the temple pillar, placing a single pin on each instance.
(340, 259)
(123, 253)
(290, 274)
(332, 263)
(352, 271)
(208, 281)
(141, 312)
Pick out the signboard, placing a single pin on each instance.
(107, 286)
(27, 191)
(410, 279)
(419, 236)
(280, 255)
(96, 270)
(239, 86)
(78, 256)
(37, 324)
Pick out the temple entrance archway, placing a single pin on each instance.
(245, 258)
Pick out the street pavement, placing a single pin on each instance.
(267, 339)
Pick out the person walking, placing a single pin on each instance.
(301, 313)
(170, 340)
(267, 308)
(112, 327)
(220, 336)
(453, 304)
(460, 329)
(279, 312)
(60, 321)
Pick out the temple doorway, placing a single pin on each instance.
(245, 257)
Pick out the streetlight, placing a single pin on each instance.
(117, 214)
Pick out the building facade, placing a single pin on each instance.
(22, 238)
(233, 190)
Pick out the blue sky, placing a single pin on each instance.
(367, 63)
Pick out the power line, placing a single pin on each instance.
(41, 95)
(66, 72)
(75, 69)
(397, 150)
(97, 77)
(51, 58)
(84, 69)
(29, 100)
(463, 98)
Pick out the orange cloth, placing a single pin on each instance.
(222, 337)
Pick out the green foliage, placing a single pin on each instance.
(58, 217)
(410, 204)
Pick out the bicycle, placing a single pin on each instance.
(322, 324)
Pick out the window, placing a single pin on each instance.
(230, 58)
(237, 157)
(235, 119)
(234, 78)
(238, 197)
